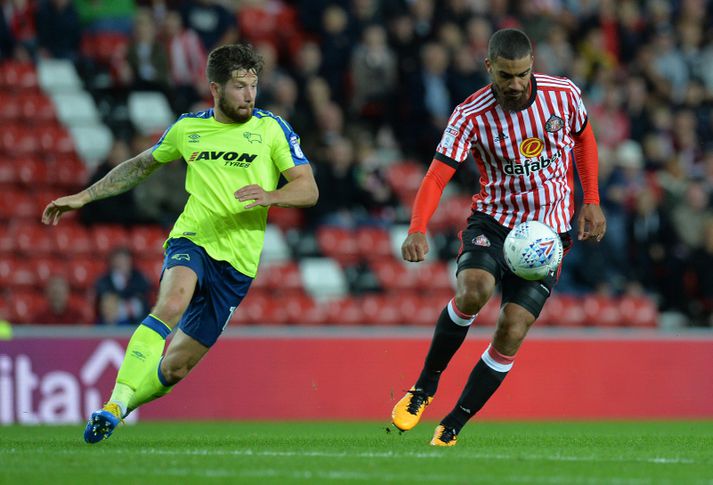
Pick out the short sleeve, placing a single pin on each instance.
(286, 150)
(579, 118)
(457, 137)
(166, 149)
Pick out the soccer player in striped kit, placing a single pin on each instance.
(525, 131)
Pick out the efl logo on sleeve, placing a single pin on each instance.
(449, 137)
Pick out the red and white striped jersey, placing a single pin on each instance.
(524, 157)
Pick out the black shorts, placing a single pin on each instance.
(482, 247)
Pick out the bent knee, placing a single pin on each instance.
(170, 309)
(474, 291)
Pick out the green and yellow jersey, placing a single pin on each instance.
(221, 159)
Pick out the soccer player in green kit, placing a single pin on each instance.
(235, 155)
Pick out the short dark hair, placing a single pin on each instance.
(509, 44)
(225, 59)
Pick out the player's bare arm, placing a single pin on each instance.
(415, 247)
(299, 191)
(592, 223)
(123, 177)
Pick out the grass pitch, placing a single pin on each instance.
(362, 452)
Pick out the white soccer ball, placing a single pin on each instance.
(532, 250)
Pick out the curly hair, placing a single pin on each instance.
(225, 59)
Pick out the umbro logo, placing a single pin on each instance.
(181, 257)
(194, 138)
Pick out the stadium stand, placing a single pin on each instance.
(61, 115)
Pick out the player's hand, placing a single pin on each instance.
(256, 193)
(54, 210)
(592, 223)
(415, 247)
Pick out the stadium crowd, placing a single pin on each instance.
(369, 86)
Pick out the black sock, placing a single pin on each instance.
(482, 383)
(447, 339)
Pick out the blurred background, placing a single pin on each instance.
(369, 86)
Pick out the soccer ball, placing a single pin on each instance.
(532, 250)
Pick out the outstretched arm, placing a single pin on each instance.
(121, 178)
(299, 191)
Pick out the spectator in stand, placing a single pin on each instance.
(111, 312)
(160, 200)
(429, 103)
(700, 266)
(59, 310)
(146, 63)
(115, 210)
(690, 212)
(214, 24)
(187, 59)
(124, 280)
(653, 255)
(337, 42)
(373, 59)
(18, 36)
(59, 31)
(344, 188)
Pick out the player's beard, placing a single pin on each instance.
(510, 103)
(232, 112)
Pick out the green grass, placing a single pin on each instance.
(362, 452)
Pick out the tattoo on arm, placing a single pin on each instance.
(124, 176)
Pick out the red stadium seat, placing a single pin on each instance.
(19, 141)
(339, 244)
(10, 108)
(8, 171)
(84, 272)
(381, 309)
(601, 311)
(405, 179)
(147, 240)
(344, 311)
(19, 204)
(68, 171)
(33, 172)
(35, 107)
(564, 311)
(17, 75)
(24, 304)
(55, 140)
(373, 243)
(16, 273)
(638, 311)
(301, 309)
(261, 309)
(418, 309)
(433, 276)
(104, 47)
(286, 217)
(45, 267)
(395, 275)
(107, 237)
(458, 209)
(33, 239)
(282, 277)
(151, 267)
(72, 239)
